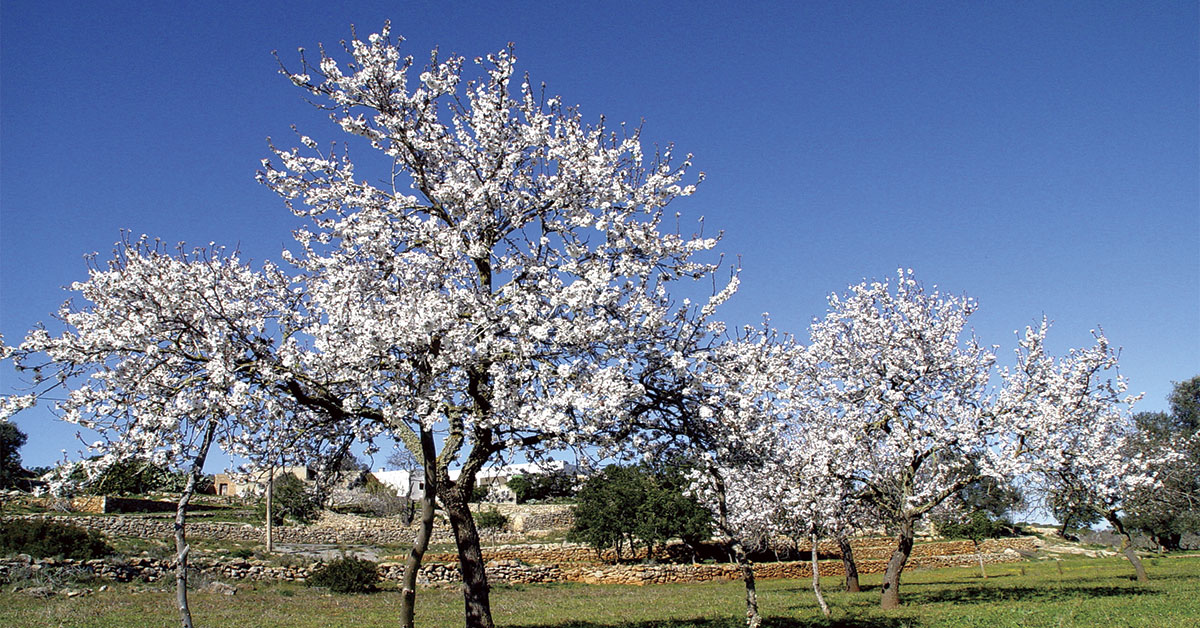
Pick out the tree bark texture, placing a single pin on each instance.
(181, 546)
(753, 619)
(816, 578)
(890, 596)
(412, 566)
(470, 556)
(848, 564)
(1127, 546)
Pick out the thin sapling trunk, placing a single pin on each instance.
(412, 566)
(181, 546)
(753, 619)
(816, 578)
(979, 556)
(270, 511)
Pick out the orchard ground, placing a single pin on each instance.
(1089, 592)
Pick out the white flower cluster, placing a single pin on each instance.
(501, 289)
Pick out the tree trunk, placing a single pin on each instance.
(816, 577)
(1127, 546)
(181, 546)
(753, 619)
(979, 556)
(470, 556)
(270, 511)
(412, 566)
(890, 597)
(848, 564)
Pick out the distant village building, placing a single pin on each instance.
(495, 479)
(254, 484)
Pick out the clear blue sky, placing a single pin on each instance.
(1039, 156)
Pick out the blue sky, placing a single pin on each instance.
(1041, 157)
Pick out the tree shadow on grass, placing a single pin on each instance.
(969, 595)
(737, 622)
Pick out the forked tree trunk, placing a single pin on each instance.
(848, 564)
(470, 557)
(181, 546)
(890, 596)
(816, 577)
(412, 566)
(1127, 546)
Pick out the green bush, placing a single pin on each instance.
(135, 477)
(346, 575)
(40, 538)
(543, 487)
(626, 506)
(491, 519)
(291, 500)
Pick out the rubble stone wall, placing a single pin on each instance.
(509, 571)
(865, 549)
(331, 528)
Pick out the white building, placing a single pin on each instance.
(495, 479)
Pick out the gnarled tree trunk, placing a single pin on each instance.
(848, 564)
(1127, 546)
(181, 546)
(470, 557)
(890, 596)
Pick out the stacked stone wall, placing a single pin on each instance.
(508, 571)
(864, 550)
(331, 528)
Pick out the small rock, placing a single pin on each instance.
(222, 588)
(38, 592)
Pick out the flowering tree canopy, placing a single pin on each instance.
(1073, 430)
(499, 290)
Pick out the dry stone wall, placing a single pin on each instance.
(331, 528)
(865, 549)
(509, 571)
(517, 564)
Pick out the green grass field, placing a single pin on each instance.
(1091, 593)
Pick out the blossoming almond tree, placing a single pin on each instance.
(905, 400)
(721, 405)
(1073, 430)
(498, 291)
(908, 406)
(159, 363)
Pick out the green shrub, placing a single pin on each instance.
(346, 575)
(543, 487)
(292, 500)
(40, 538)
(491, 520)
(242, 552)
